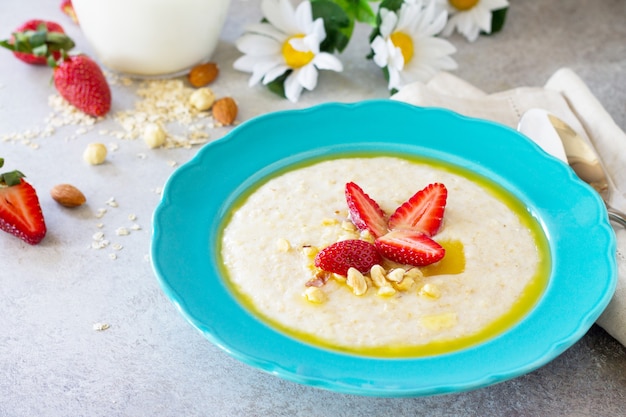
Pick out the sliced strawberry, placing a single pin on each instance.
(365, 213)
(20, 212)
(410, 247)
(342, 255)
(423, 212)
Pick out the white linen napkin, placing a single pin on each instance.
(569, 98)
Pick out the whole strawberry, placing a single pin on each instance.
(20, 212)
(35, 40)
(346, 254)
(81, 82)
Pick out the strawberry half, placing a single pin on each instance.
(20, 212)
(81, 82)
(365, 213)
(423, 212)
(410, 247)
(342, 255)
(35, 40)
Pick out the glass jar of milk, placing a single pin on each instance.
(152, 38)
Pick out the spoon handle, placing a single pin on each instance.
(617, 216)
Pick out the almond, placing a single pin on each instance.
(203, 74)
(225, 111)
(67, 195)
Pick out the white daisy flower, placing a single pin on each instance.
(290, 41)
(470, 17)
(407, 45)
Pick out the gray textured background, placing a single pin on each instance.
(153, 363)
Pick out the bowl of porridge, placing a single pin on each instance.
(518, 280)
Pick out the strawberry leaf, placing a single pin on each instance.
(11, 178)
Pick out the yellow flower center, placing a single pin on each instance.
(405, 43)
(294, 58)
(463, 4)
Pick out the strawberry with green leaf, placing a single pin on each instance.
(81, 82)
(35, 40)
(20, 212)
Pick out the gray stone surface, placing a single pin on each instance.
(151, 362)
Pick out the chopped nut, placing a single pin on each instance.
(356, 281)
(310, 251)
(404, 285)
(202, 99)
(329, 222)
(414, 273)
(396, 275)
(386, 291)
(154, 135)
(377, 273)
(430, 291)
(314, 295)
(319, 279)
(95, 153)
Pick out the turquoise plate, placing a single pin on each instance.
(199, 194)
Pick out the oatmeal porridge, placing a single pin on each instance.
(495, 268)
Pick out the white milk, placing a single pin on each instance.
(152, 37)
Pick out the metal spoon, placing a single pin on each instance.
(586, 164)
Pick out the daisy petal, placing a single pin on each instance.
(326, 61)
(293, 89)
(304, 17)
(307, 77)
(262, 68)
(388, 23)
(280, 13)
(274, 73)
(257, 45)
(267, 30)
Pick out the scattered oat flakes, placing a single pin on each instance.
(111, 202)
(100, 213)
(122, 231)
(117, 246)
(132, 217)
(101, 326)
(112, 256)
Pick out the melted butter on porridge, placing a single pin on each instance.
(495, 267)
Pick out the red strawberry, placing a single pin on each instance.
(365, 213)
(68, 8)
(423, 212)
(20, 212)
(81, 82)
(410, 247)
(342, 255)
(34, 41)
